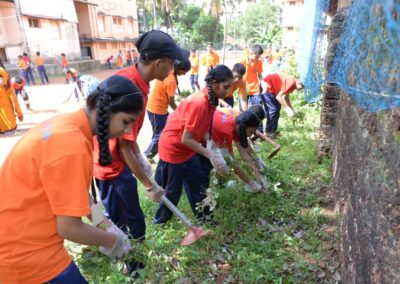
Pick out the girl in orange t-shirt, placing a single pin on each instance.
(183, 160)
(39, 210)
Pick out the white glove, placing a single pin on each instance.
(290, 112)
(264, 183)
(146, 166)
(260, 164)
(122, 245)
(155, 193)
(254, 186)
(218, 162)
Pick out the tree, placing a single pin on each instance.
(205, 28)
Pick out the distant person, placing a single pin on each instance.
(119, 62)
(9, 106)
(279, 87)
(18, 85)
(108, 60)
(194, 72)
(72, 76)
(135, 56)
(65, 65)
(23, 72)
(253, 77)
(40, 68)
(128, 57)
(29, 72)
(211, 59)
(245, 51)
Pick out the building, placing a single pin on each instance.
(106, 26)
(292, 11)
(48, 26)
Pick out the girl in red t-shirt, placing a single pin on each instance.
(183, 159)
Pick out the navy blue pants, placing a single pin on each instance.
(193, 175)
(42, 73)
(121, 200)
(158, 122)
(70, 275)
(230, 101)
(194, 82)
(30, 74)
(272, 111)
(256, 100)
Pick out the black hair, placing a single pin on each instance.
(62, 54)
(246, 119)
(115, 94)
(37, 53)
(258, 110)
(18, 80)
(239, 68)
(25, 54)
(183, 65)
(257, 49)
(193, 50)
(19, 56)
(219, 74)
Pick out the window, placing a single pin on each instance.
(292, 2)
(103, 45)
(34, 23)
(117, 21)
(102, 23)
(290, 28)
(114, 45)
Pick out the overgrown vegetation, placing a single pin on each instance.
(282, 237)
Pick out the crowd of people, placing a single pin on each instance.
(46, 177)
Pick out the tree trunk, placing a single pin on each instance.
(154, 15)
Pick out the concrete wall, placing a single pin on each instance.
(291, 18)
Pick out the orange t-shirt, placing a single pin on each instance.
(238, 85)
(195, 62)
(22, 64)
(47, 173)
(193, 115)
(39, 61)
(159, 95)
(115, 169)
(251, 76)
(280, 82)
(223, 130)
(64, 62)
(210, 59)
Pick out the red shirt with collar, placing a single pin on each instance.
(115, 169)
(193, 115)
(223, 130)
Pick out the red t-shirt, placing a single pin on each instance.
(115, 169)
(223, 130)
(280, 82)
(193, 115)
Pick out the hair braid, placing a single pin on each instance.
(211, 97)
(103, 124)
(243, 135)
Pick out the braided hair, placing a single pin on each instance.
(113, 95)
(246, 119)
(219, 74)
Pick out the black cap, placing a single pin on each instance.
(157, 44)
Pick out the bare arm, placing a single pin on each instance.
(187, 139)
(73, 229)
(128, 149)
(243, 101)
(171, 102)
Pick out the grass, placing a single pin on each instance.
(282, 237)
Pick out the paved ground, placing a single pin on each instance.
(49, 100)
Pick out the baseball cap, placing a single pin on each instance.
(157, 44)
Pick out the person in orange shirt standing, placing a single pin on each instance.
(23, 69)
(161, 96)
(65, 65)
(279, 87)
(128, 57)
(183, 160)
(9, 106)
(211, 59)
(40, 68)
(194, 73)
(44, 188)
(238, 71)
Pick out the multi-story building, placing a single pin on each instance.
(106, 26)
(292, 11)
(48, 26)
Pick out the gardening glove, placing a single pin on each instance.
(260, 164)
(218, 162)
(254, 186)
(264, 183)
(290, 112)
(122, 245)
(155, 193)
(146, 166)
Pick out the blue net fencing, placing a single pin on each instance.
(367, 62)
